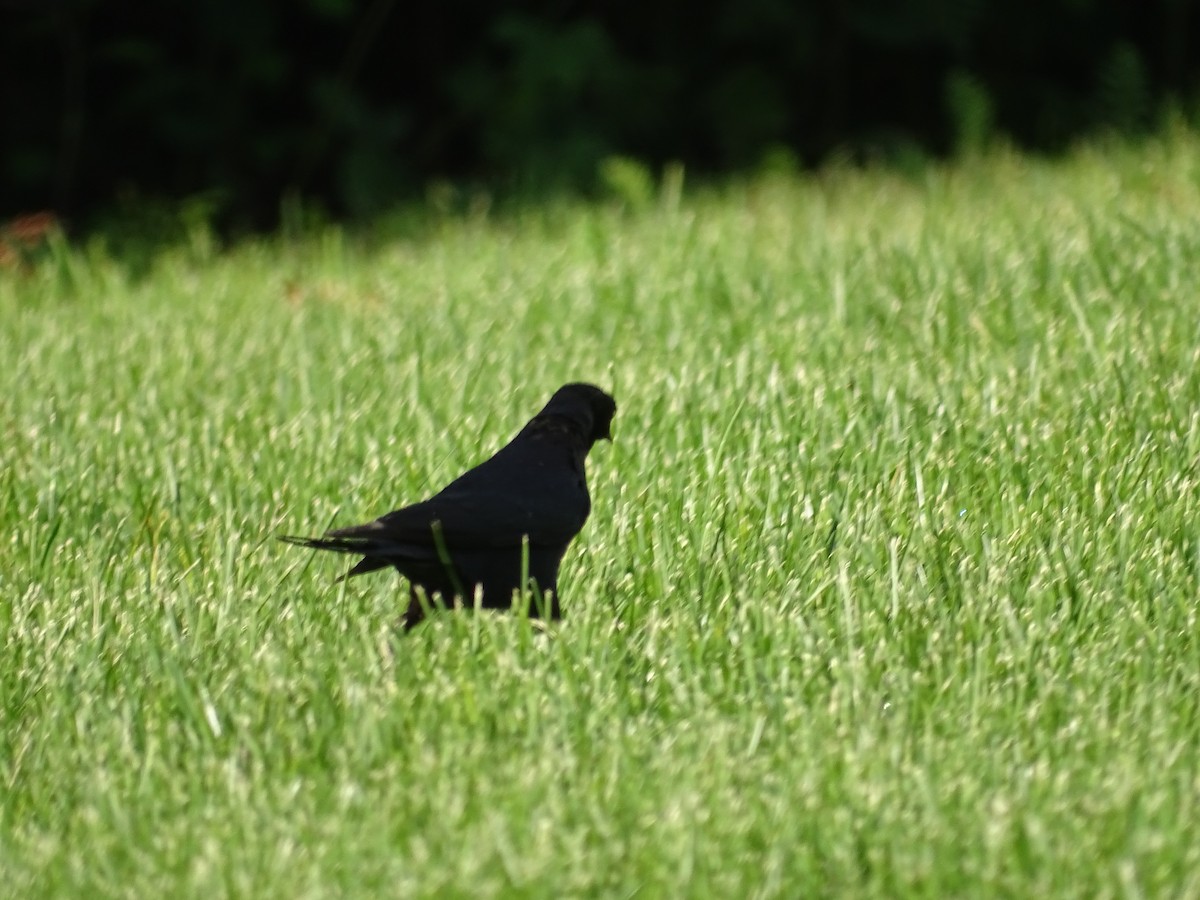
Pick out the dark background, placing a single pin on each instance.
(354, 105)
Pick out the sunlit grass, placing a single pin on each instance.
(889, 588)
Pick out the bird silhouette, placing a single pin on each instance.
(500, 527)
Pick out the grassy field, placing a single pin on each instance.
(890, 587)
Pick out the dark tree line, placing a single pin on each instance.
(357, 103)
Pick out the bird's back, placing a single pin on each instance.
(533, 487)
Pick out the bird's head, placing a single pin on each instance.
(585, 405)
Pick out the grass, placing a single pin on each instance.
(889, 590)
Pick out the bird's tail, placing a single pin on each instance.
(344, 544)
(336, 544)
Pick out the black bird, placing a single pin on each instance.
(471, 535)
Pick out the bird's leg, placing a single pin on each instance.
(417, 606)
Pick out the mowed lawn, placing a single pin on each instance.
(889, 590)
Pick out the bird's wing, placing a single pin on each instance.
(519, 492)
(470, 522)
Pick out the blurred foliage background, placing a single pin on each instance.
(239, 109)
